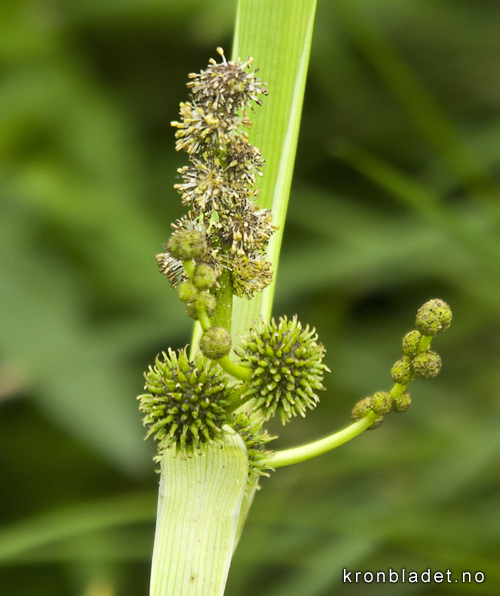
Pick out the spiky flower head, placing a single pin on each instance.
(361, 408)
(186, 401)
(187, 244)
(204, 276)
(287, 366)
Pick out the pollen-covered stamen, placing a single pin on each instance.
(206, 186)
(172, 268)
(249, 274)
(227, 86)
(244, 161)
(217, 186)
(248, 229)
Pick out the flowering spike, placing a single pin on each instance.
(217, 186)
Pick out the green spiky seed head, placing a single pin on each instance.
(381, 403)
(186, 402)
(362, 408)
(411, 342)
(215, 343)
(204, 277)
(287, 367)
(402, 371)
(187, 244)
(433, 316)
(427, 364)
(402, 402)
(188, 292)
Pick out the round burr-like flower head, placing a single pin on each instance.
(287, 367)
(186, 401)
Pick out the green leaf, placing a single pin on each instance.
(277, 34)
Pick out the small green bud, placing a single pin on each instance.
(433, 316)
(427, 364)
(204, 276)
(402, 372)
(208, 302)
(188, 292)
(402, 402)
(205, 300)
(215, 343)
(362, 408)
(411, 341)
(381, 402)
(187, 244)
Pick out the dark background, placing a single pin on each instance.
(395, 200)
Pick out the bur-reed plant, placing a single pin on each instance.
(207, 407)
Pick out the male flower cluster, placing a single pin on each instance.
(418, 360)
(218, 184)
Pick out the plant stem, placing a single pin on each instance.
(238, 371)
(310, 450)
(224, 310)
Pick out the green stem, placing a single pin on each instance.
(310, 450)
(203, 318)
(224, 310)
(238, 371)
(189, 267)
(425, 343)
(398, 390)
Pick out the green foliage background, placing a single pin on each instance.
(395, 200)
